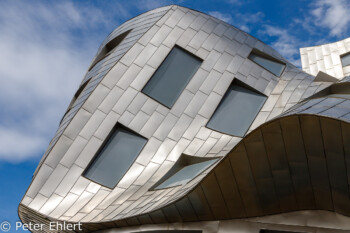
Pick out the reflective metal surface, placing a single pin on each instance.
(294, 157)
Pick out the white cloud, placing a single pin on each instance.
(333, 15)
(44, 56)
(245, 21)
(244, 28)
(242, 21)
(236, 2)
(286, 44)
(224, 17)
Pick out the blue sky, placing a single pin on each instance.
(47, 46)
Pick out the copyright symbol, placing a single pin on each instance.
(5, 226)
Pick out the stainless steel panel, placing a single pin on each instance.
(69, 180)
(207, 110)
(80, 186)
(51, 204)
(111, 99)
(183, 102)
(165, 127)
(194, 127)
(152, 124)
(198, 40)
(151, 105)
(144, 40)
(212, 58)
(131, 55)
(88, 152)
(139, 121)
(180, 127)
(158, 56)
(106, 203)
(186, 37)
(146, 53)
(129, 76)
(223, 62)
(64, 205)
(53, 181)
(77, 123)
(180, 146)
(163, 151)
(106, 126)
(209, 26)
(92, 125)
(38, 202)
(197, 80)
(186, 20)
(124, 100)
(174, 18)
(80, 203)
(148, 151)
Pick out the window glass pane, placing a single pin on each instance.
(236, 111)
(172, 76)
(274, 67)
(109, 47)
(117, 155)
(186, 174)
(345, 60)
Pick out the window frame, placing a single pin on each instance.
(244, 85)
(341, 58)
(268, 57)
(105, 51)
(186, 51)
(106, 140)
(184, 161)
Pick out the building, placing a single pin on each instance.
(184, 123)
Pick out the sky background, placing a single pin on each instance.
(47, 46)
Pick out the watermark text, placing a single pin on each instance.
(5, 226)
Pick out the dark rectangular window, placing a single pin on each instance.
(269, 63)
(115, 157)
(345, 60)
(185, 175)
(172, 76)
(237, 110)
(184, 170)
(108, 48)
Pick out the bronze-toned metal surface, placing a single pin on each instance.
(307, 146)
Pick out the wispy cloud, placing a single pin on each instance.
(285, 43)
(245, 21)
(222, 16)
(333, 15)
(42, 62)
(242, 21)
(236, 2)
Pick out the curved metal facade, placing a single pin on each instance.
(326, 58)
(294, 156)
